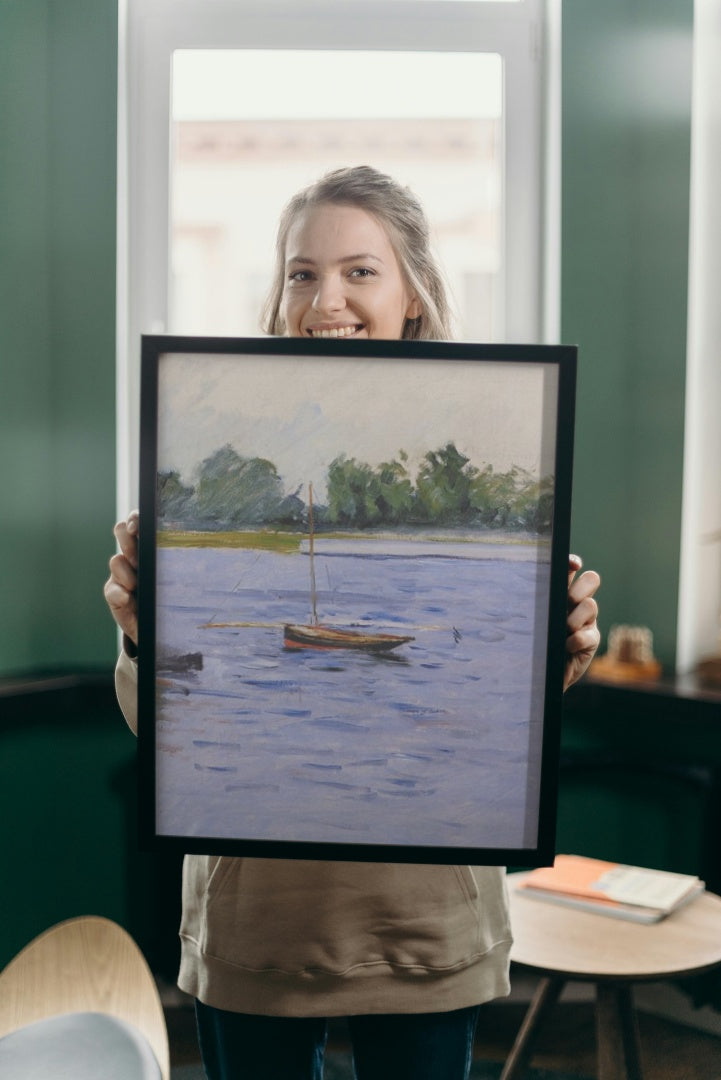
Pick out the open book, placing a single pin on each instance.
(608, 888)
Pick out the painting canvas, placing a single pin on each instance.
(353, 566)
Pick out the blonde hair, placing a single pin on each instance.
(403, 217)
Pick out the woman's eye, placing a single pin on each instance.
(362, 272)
(300, 276)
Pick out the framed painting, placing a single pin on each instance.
(352, 597)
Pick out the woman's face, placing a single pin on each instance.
(342, 277)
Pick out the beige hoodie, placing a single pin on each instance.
(297, 938)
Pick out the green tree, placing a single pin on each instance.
(396, 496)
(353, 493)
(512, 500)
(443, 486)
(174, 497)
(534, 504)
(493, 497)
(233, 490)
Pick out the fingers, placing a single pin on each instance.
(126, 534)
(582, 588)
(582, 613)
(121, 587)
(584, 641)
(123, 572)
(575, 563)
(581, 646)
(582, 633)
(123, 607)
(582, 607)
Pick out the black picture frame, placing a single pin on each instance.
(439, 749)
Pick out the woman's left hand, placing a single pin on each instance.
(582, 634)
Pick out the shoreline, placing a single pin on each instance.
(405, 543)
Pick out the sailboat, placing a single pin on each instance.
(316, 636)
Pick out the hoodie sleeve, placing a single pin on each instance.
(126, 688)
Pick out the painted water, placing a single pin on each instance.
(436, 743)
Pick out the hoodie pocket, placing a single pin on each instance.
(302, 916)
(468, 883)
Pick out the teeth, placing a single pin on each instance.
(335, 332)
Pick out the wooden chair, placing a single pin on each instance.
(89, 972)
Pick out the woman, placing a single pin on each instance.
(271, 948)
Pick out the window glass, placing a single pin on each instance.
(238, 155)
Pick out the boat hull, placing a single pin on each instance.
(296, 636)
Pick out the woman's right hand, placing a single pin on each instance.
(121, 587)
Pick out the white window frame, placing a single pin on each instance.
(526, 34)
(699, 597)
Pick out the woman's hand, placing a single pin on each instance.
(121, 587)
(583, 636)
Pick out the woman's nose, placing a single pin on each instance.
(329, 296)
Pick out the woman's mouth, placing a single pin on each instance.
(335, 331)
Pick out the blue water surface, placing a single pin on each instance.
(437, 743)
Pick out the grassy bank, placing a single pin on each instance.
(286, 542)
(263, 541)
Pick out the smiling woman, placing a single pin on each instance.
(331, 292)
(353, 259)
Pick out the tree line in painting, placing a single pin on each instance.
(233, 492)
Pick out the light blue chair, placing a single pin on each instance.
(80, 1003)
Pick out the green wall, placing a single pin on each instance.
(67, 761)
(626, 137)
(625, 201)
(68, 801)
(58, 74)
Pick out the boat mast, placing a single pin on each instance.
(312, 554)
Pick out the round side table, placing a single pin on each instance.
(563, 944)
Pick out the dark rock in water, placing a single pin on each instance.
(180, 662)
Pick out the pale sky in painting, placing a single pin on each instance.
(302, 413)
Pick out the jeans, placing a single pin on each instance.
(417, 1046)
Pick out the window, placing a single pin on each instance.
(227, 107)
(236, 161)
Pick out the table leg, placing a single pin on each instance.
(545, 997)
(617, 1033)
